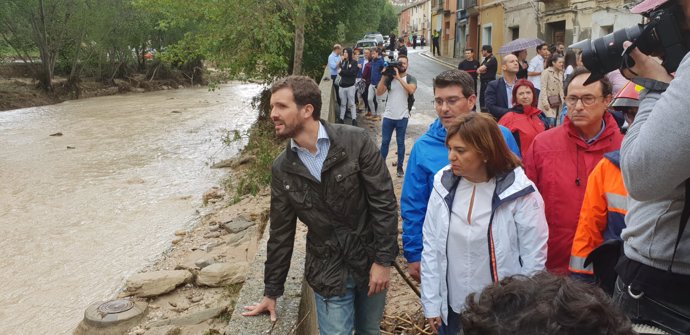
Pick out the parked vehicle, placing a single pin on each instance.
(374, 36)
(366, 43)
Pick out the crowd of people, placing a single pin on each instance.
(540, 215)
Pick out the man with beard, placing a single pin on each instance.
(399, 87)
(332, 178)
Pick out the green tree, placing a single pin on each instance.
(38, 24)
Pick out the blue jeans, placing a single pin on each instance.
(354, 310)
(674, 318)
(453, 327)
(400, 127)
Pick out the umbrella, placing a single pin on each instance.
(519, 44)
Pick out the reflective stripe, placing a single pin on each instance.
(577, 264)
(617, 201)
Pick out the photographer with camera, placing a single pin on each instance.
(400, 86)
(653, 282)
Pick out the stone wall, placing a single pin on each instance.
(296, 308)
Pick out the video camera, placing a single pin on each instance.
(661, 37)
(390, 68)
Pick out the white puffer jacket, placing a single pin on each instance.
(517, 237)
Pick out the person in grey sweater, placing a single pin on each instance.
(653, 284)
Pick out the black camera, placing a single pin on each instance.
(661, 36)
(390, 68)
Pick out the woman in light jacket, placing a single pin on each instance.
(552, 85)
(485, 221)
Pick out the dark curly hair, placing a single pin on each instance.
(543, 305)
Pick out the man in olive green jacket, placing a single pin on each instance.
(332, 178)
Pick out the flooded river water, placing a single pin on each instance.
(81, 212)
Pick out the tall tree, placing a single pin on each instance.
(46, 22)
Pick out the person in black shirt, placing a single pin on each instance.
(487, 70)
(470, 65)
(524, 65)
(402, 49)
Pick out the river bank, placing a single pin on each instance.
(19, 90)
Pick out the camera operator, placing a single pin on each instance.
(654, 275)
(399, 85)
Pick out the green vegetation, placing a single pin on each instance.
(265, 148)
(249, 39)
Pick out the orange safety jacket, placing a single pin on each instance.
(602, 216)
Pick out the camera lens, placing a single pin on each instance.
(603, 55)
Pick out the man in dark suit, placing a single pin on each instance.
(487, 72)
(499, 93)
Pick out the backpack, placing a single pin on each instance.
(410, 97)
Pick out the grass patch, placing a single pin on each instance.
(263, 147)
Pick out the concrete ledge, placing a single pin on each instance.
(328, 100)
(296, 310)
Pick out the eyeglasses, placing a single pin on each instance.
(452, 101)
(587, 100)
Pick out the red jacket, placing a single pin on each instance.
(524, 123)
(559, 162)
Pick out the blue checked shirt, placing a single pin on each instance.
(314, 162)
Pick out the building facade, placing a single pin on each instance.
(415, 19)
(472, 23)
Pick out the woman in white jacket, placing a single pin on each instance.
(485, 221)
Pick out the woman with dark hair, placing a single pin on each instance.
(570, 62)
(348, 74)
(543, 304)
(551, 95)
(524, 119)
(484, 221)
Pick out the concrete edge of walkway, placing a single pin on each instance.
(439, 60)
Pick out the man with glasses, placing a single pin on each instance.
(454, 96)
(561, 159)
(602, 217)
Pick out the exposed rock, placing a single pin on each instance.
(234, 162)
(177, 240)
(71, 147)
(237, 225)
(214, 193)
(151, 284)
(204, 262)
(191, 319)
(220, 274)
(214, 234)
(164, 330)
(180, 233)
(136, 180)
(213, 228)
(176, 112)
(56, 134)
(196, 299)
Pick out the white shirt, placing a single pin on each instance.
(469, 264)
(536, 65)
(396, 104)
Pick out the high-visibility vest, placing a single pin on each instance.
(602, 216)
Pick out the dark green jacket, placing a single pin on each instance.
(351, 214)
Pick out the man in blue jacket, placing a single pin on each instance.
(376, 69)
(454, 95)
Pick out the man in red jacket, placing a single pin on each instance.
(560, 160)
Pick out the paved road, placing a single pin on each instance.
(425, 68)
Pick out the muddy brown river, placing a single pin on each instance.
(81, 212)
